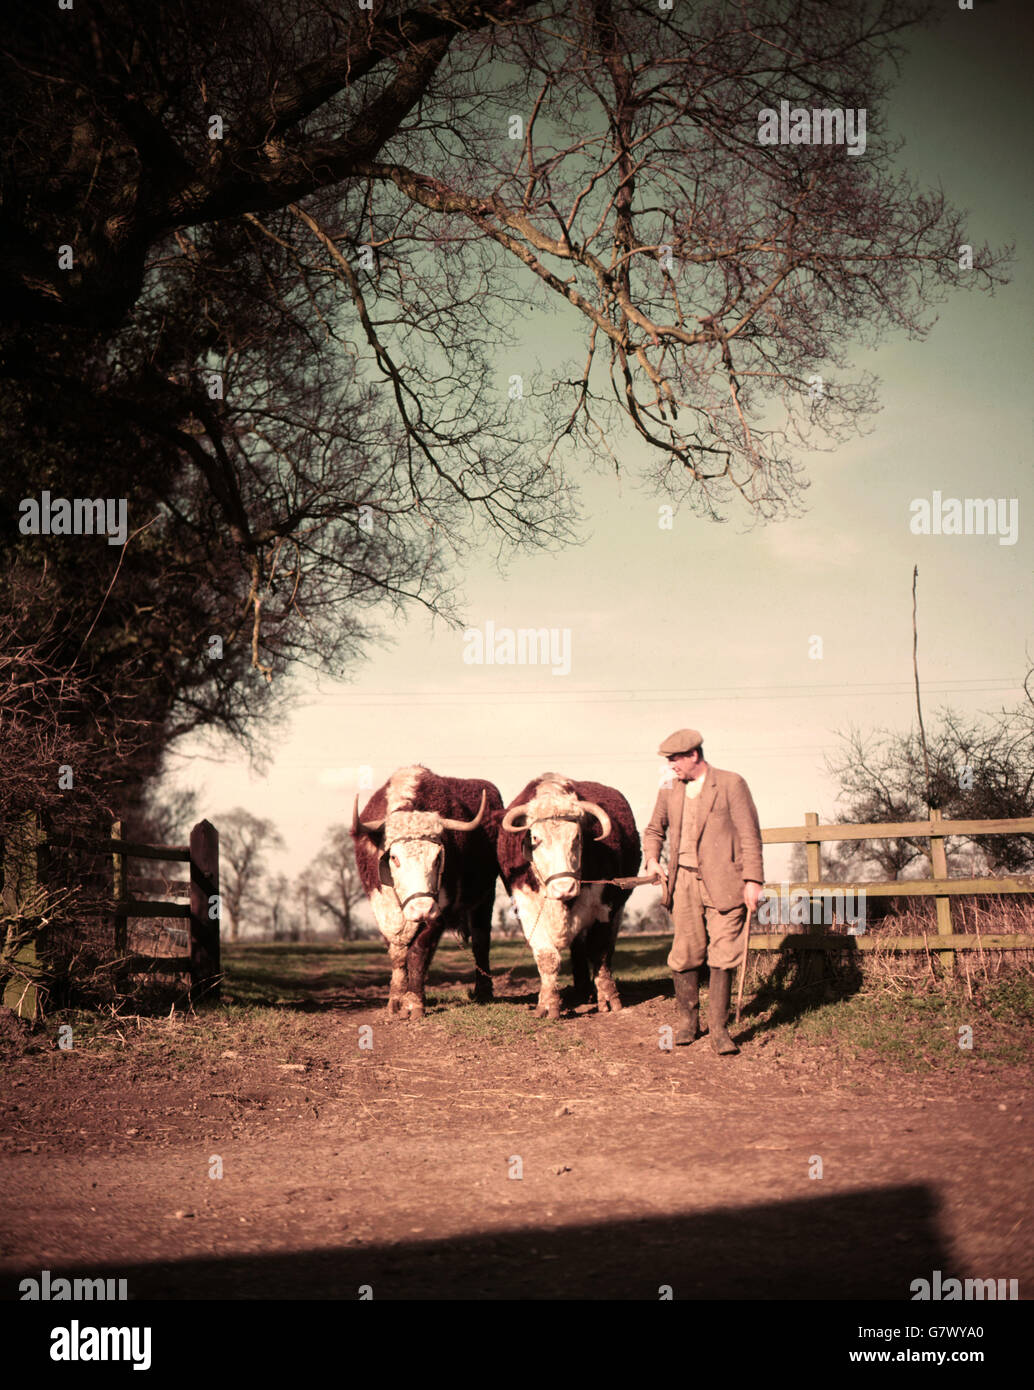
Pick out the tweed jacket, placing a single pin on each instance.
(729, 837)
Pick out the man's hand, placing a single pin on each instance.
(751, 894)
(653, 870)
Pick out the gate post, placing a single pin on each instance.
(205, 908)
(939, 865)
(807, 970)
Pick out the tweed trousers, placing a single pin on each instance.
(701, 930)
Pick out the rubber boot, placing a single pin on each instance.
(687, 1006)
(718, 1012)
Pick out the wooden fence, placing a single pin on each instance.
(26, 860)
(939, 886)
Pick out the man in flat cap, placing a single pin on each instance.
(714, 878)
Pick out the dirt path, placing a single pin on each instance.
(392, 1167)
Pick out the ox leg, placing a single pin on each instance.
(580, 971)
(397, 955)
(421, 950)
(481, 943)
(600, 940)
(548, 961)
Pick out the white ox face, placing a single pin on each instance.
(556, 855)
(412, 862)
(555, 822)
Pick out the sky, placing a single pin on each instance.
(711, 625)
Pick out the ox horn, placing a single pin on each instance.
(466, 824)
(600, 815)
(510, 818)
(372, 827)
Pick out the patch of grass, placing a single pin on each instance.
(920, 1033)
(1010, 998)
(268, 973)
(642, 958)
(499, 1024)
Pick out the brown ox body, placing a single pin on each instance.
(425, 849)
(555, 834)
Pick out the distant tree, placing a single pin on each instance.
(980, 769)
(651, 920)
(278, 915)
(166, 816)
(305, 891)
(505, 922)
(243, 842)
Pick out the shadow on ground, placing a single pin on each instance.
(800, 982)
(860, 1245)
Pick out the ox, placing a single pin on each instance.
(424, 847)
(547, 845)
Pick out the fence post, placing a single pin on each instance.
(812, 850)
(813, 964)
(205, 908)
(939, 865)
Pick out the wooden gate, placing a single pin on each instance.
(25, 858)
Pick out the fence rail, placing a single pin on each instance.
(938, 886)
(812, 832)
(26, 862)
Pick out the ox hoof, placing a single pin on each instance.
(394, 1008)
(548, 1011)
(481, 995)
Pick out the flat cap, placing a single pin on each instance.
(681, 741)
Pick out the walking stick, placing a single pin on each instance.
(743, 963)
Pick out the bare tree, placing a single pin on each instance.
(280, 251)
(979, 769)
(305, 890)
(278, 914)
(243, 841)
(335, 880)
(439, 163)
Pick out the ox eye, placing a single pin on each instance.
(395, 860)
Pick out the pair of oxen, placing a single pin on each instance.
(429, 848)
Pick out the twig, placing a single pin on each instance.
(104, 600)
(915, 670)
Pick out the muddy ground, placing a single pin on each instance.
(485, 1154)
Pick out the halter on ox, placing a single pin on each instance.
(584, 808)
(374, 828)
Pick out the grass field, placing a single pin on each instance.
(907, 1019)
